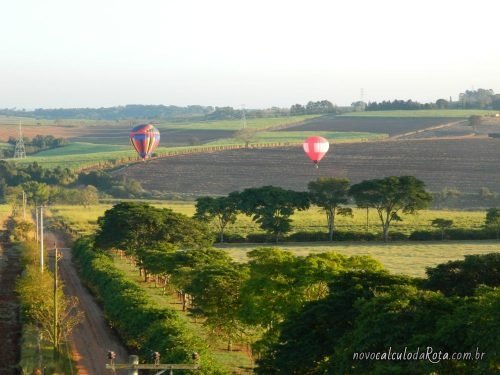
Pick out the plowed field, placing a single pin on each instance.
(466, 164)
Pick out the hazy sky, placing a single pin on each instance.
(100, 53)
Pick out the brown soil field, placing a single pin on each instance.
(389, 125)
(467, 164)
(113, 134)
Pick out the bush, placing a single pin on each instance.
(458, 234)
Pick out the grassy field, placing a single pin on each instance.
(85, 220)
(407, 258)
(459, 113)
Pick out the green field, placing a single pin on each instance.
(251, 123)
(409, 258)
(5, 211)
(459, 113)
(310, 220)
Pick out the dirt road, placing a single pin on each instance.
(91, 340)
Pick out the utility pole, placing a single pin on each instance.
(41, 239)
(36, 231)
(24, 205)
(57, 256)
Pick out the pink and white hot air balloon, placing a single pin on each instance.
(316, 147)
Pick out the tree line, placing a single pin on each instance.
(34, 145)
(271, 207)
(309, 314)
(61, 185)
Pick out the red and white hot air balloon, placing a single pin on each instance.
(316, 147)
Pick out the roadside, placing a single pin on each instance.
(10, 326)
(92, 338)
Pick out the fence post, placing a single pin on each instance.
(134, 360)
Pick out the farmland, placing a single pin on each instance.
(400, 257)
(384, 125)
(467, 164)
(313, 219)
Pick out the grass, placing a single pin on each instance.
(407, 258)
(234, 360)
(300, 136)
(252, 123)
(30, 356)
(81, 148)
(85, 220)
(459, 113)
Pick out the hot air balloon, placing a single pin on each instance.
(145, 138)
(316, 147)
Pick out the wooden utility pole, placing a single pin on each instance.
(41, 239)
(57, 256)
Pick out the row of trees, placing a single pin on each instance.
(470, 99)
(271, 207)
(309, 314)
(53, 183)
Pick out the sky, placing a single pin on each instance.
(259, 53)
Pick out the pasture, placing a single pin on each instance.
(457, 113)
(406, 258)
(312, 219)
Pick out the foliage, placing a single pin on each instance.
(389, 196)
(222, 210)
(462, 277)
(216, 293)
(308, 337)
(330, 194)
(271, 207)
(442, 224)
(143, 325)
(137, 226)
(36, 292)
(493, 220)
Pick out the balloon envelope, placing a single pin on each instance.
(316, 147)
(145, 138)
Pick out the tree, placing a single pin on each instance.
(389, 196)
(493, 219)
(37, 193)
(272, 207)
(216, 293)
(442, 103)
(462, 277)
(88, 195)
(37, 297)
(442, 224)
(308, 337)
(330, 194)
(475, 121)
(134, 226)
(247, 135)
(222, 211)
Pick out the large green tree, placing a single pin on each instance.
(216, 292)
(309, 336)
(134, 226)
(391, 196)
(222, 211)
(462, 277)
(272, 207)
(330, 194)
(493, 220)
